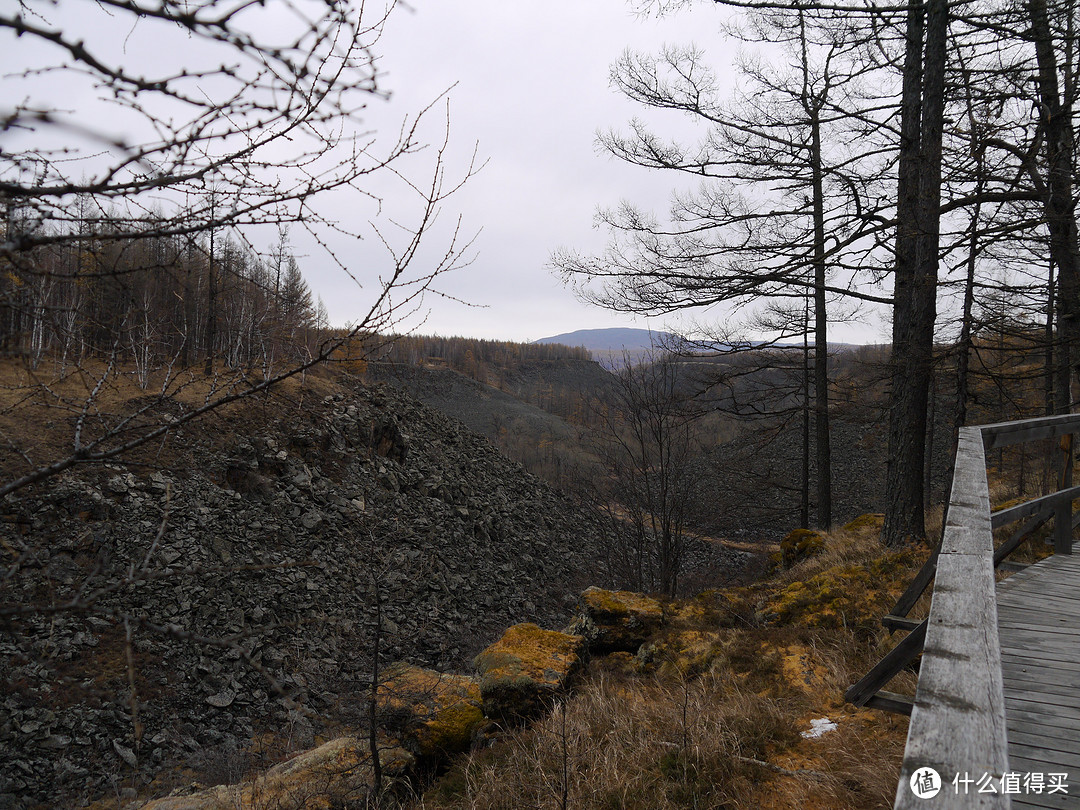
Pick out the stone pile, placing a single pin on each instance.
(233, 579)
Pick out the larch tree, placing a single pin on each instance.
(791, 173)
(252, 122)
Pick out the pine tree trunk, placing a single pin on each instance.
(1058, 205)
(822, 446)
(915, 281)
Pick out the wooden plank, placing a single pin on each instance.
(891, 702)
(1035, 595)
(1019, 665)
(1060, 648)
(1063, 802)
(917, 587)
(1033, 694)
(1046, 617)
(1052, 734)
(958, 722)
(1063, 646)
(899, 622)
(1035, 707)
(1026, 764)
(1063, 527)
(1023, 683)
(1049, 725)
(1009, 625)
(1065, 759)
(1035, 614)
(1049, 586)
(1035, 570)
(1032, 737)
(1003, 434)
(885, 670)
(974, 683)
(1036, 507)
(1011, 567)
(1043, 801)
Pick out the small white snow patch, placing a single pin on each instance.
(819, 727)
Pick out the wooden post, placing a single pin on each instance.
(1063, 511)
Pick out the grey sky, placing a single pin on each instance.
(530, 89)
(531, 92)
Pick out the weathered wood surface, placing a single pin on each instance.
(860, 693)
(1035, 507)
(958, 721)
(1039, 634)
(1003, 434)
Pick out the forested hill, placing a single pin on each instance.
(557, 378)
(536, 403)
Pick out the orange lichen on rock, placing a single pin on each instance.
(616, 620)
(800, 544)
(853, 597)
(802, 669)
(435, 713)
(526, 668)
(872, 521)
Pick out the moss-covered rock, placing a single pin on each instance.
(800, 544)
(870, 522)
(525, 669)
(433, 714)
(616, 620)
(853, 597)
(330, 776)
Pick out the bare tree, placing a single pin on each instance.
(128, 228)
(788, 208)
(258, 123)
(647, 447)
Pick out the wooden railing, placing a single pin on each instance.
(958, 714)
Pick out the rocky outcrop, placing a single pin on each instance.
(434, 714)
(525, 669)
(612, 621)
(334, 775)
(237, 568)
(798, 545)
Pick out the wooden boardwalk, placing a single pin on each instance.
(999, 678)
(1039, 630)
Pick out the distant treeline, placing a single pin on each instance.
(471, 355)
(155, 301)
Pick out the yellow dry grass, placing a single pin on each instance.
(712, 715)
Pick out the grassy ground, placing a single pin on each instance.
(712, 715)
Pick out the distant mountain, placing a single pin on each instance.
(613, 342)
(615, 339)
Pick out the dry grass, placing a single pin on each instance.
(41, 409)
(660, 743)
(714, 719)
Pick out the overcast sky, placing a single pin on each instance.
(531, 89)
(527, 84)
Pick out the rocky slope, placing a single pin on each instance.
(228, 584)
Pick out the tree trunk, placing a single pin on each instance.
(822, 447)
(1048, 351)
(211, 311)
(804, 501)
(904, 504)
(1060, 213)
